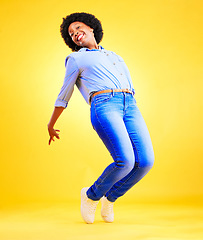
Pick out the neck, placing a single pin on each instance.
(93, 45)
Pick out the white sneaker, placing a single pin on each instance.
(107, 210)
(88, 207)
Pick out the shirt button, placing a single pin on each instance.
(121, 74)
(114, 63)
(107, 54)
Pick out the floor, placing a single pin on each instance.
(139, 221)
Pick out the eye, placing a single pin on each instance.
(78, 27)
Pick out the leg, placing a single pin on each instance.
(143, 150)
(107, 120)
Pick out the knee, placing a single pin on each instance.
(126, 165)
(147, 161)
(129, 165)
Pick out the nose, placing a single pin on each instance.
(76, 34)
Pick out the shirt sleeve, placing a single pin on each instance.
(71, 75)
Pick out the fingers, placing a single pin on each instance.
(51, 139)
(53, 134)
(56, 134)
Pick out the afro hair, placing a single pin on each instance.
(88, 19)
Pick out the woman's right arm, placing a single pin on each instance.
(71, 76)
(54, 132)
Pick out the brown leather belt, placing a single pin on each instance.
(111, 90)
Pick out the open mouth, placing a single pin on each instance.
(80, 36)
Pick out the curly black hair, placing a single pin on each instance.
(88, 19)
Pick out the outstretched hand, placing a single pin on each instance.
(53, 133)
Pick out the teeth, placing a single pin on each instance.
(80, 36)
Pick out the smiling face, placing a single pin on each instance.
(82, 35)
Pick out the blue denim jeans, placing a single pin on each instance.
(120, 125)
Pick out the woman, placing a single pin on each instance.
(104, 81)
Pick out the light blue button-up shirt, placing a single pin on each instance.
(93, 70)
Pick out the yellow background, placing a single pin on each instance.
(160, 41)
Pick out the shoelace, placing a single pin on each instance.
(109, 207)
(93, 207)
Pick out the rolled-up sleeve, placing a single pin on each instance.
(71, 75)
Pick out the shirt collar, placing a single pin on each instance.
(87, 49)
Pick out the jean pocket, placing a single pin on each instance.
(102, 98)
